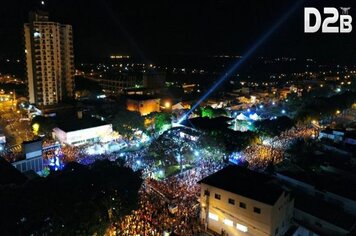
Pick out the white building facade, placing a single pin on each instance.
(83, 136)
(227, 212)
(49, 59)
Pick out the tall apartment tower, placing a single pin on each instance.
(49, 59)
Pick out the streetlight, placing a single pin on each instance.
(167, 105)
(36, 128)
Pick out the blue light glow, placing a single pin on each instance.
(248, 54)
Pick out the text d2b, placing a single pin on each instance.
(328, 25)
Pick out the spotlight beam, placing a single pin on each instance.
(246, 55)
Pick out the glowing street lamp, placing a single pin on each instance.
(167, 105)
(36, 128)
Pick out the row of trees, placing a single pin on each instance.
(126, 122)
(273, 127)
(323, 107)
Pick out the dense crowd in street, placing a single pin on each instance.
(170, 205)
(260, 156)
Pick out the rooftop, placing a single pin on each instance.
(9, 174)
(206, 123)
(245, 182)
(325, 211)
(325, 181)
(141, 97)
(79, 124)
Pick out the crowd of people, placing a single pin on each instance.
(259, 156)
(170, 205)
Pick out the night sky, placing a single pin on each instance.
(153, 29)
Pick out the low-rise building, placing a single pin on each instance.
(238, 201)
(143, 104)
(82, 131)
(324, 202)
(33, 157)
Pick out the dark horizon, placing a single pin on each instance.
(152, 32)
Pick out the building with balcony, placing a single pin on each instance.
(49, 59)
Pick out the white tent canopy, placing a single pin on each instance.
(241, 117)
(255, 117)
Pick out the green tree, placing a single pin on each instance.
(161, 121)
(127, 122)
(207, 111)
(273, 127)
(75, 201)
(45, 124)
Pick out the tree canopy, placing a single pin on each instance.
(162, 120)
(45, 124)
(75, 201)
(325, 106)
(210, 112)
(127, 122)
(274, 127)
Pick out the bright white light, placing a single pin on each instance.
(254, 117)
(273, 103)
(241, 228)
(283, 111)
(228, 222)
(261, 106)
(196, 153)
(36, 34)
(213, 216)
(266, 142)
(101, 96)
(43, 3)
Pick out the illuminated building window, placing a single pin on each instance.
(241, 228)
(213, 216)
(217, 196)
(228, 222)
